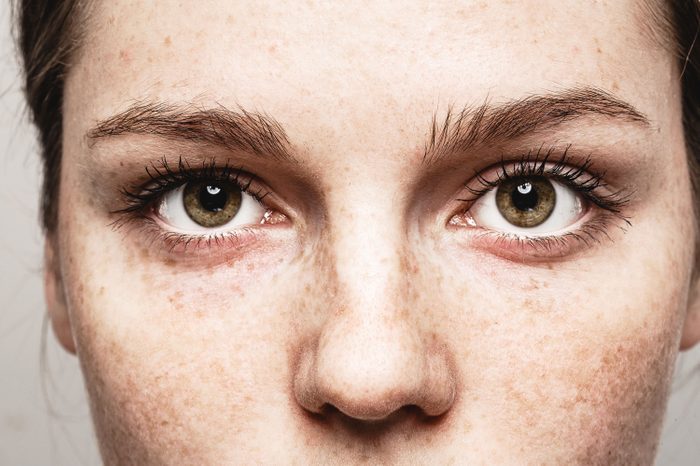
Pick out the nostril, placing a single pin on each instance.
(405, 414)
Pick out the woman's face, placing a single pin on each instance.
(377, 232)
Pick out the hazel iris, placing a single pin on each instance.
(212, 204)
(526, 201)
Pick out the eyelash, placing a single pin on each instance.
(163, 177)
(580, 177)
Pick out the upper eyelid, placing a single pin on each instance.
(564, 169)
(167, 179)
(559, 165)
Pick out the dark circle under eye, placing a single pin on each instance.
(526, 201)
(212, 204)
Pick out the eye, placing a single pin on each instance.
(209, 206)
(527, 205)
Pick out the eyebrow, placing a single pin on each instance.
(484, 124)
(240, 129)
(457, 132)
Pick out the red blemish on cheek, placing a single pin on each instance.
(125, 56)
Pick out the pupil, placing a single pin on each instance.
(213, 198)
(524, 197)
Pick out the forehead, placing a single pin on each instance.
(345, 63)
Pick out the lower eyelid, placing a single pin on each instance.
(158, 241)
(589, 232)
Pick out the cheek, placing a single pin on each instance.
(569, 358)
(596, 392)
(172, 353)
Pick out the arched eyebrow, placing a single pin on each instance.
(240, 129)
(461, 131)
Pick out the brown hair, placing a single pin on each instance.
(48, 35)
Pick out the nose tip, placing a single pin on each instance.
(371, 379)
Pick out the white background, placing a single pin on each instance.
(44, 418)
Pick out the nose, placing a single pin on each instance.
(369, 368)
(373, 352)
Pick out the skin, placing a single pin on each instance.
(363, 326)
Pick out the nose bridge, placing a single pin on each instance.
(369, 344)
(367, 244)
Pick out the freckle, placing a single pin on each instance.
(167, 41)
(467, 427)
(143, 252)
(599, 50)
